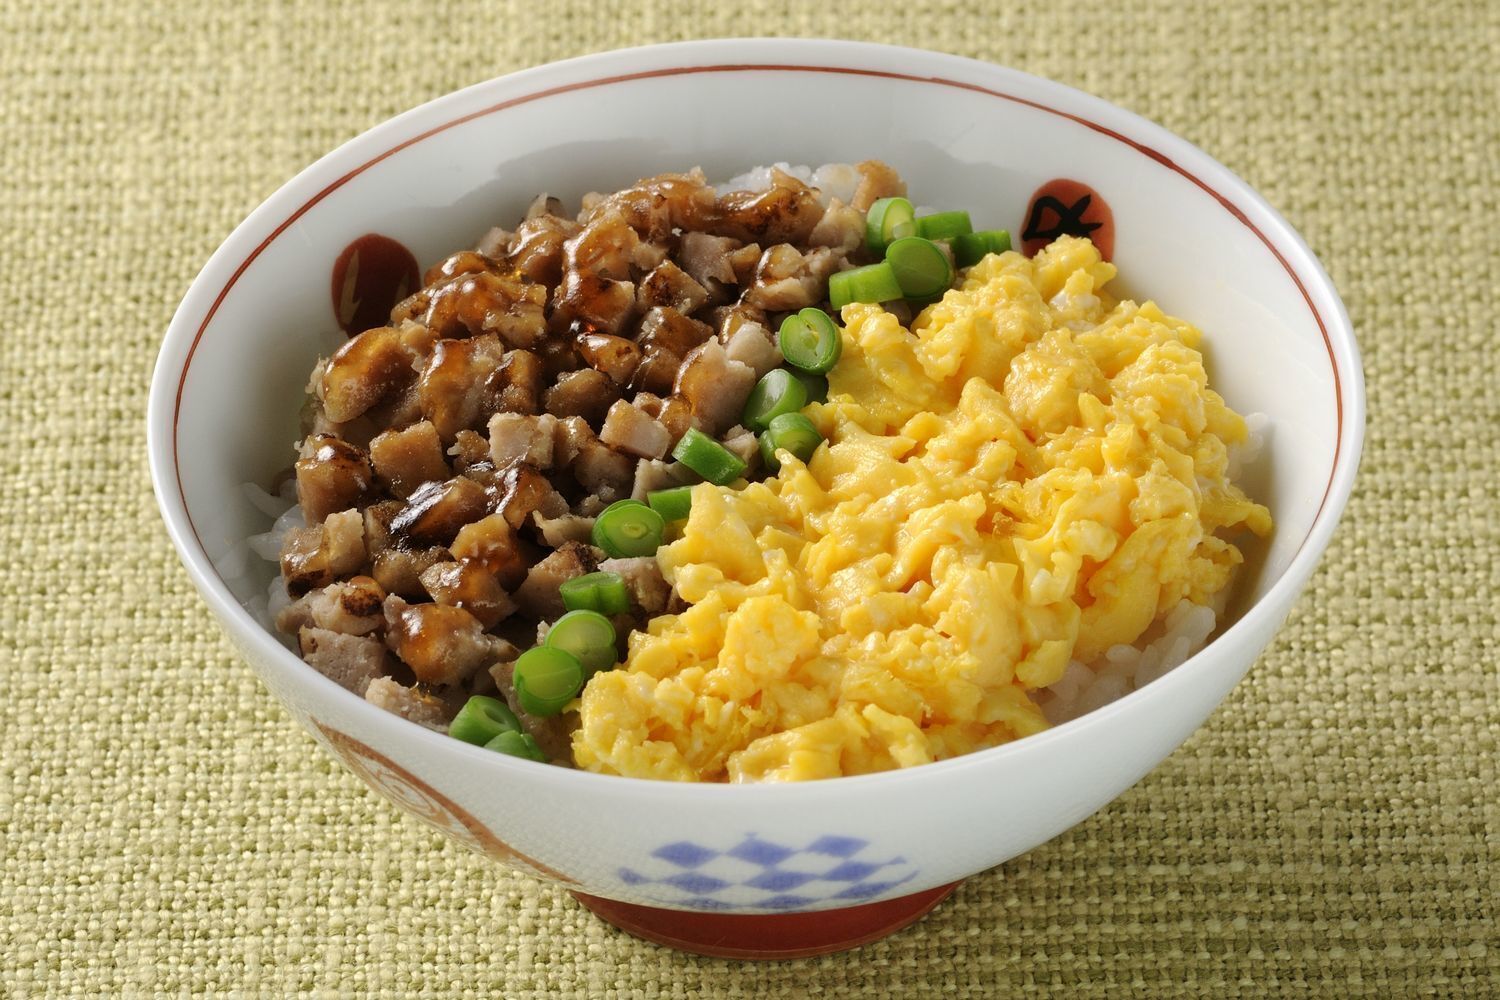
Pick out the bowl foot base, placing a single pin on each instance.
(767, 936)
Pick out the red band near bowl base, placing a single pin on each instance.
(768, 936)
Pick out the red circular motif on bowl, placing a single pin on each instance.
(370, 276)
(1063, 207)
(427, 803)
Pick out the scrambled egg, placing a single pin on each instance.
(1031, 474)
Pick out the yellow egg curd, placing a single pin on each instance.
(1031, 473)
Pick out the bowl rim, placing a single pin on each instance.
(684, 59)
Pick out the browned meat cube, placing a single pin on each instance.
(753, 346)
(526, 324)
(654, 474)
(441, 644)
(645, 258)
(516, 386)
(786, 279)
(676, 416)
(536, 250)
(673, 413)
(396, 410)
(614, 356)
(319, 554)
(603, 247)
(412, 308)
(786, 212)
(706, 258)
(350, 661)
(567, 528)
(405, 459)
(726, 319)
(435, 512)
(664, 328)
(842, 229)
(657, 371)
(596, 266)
(629, 429)
(598, 466)
(743, 262)
(655, 206)
(516, 437)
(409, 703)
(539, 596)
(378, 518)
(876, 180)
(585, 393)
(417, 338)
(470, 586)
(463, 262)
(352, 607)
(669, 285)
(559, 352)
(492, 543)
(470, 450)
(571, 434)
(452, 389)
(472, 304)
(642, 575)
(332, 475)
(399, 571)
(364, 371)
(522, 489)
(714, 386)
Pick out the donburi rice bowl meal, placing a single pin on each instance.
(782, 480)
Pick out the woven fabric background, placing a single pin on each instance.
(166, 829)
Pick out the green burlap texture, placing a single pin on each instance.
(165, 828)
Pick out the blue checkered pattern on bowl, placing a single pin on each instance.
(755, 873)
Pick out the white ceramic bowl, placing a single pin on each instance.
(1188, 233)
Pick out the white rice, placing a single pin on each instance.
(1244, 455)
(833, 180)
(1122, 669)
(283, 508)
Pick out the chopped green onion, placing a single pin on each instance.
(628, 528)
(971, 248)
(776, 393)
(602, 592)
(547, 678)
(942, 226)
(672, 504)
(708, 458)
(589, 636)
(920, 266)
(795, 433)
(816, 386)
(871, 283)
(482, 719)
(883, 218)
(768, 452)
(810, 342)
(516, 744)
